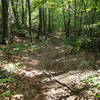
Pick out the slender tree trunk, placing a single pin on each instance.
(45, 22)
(64, 17)
(40, 24)
(69, 20)
(5, 21)
(52, 21)
(94, 16)
(30, 24)
(86, 15)
(49, 20)
(65, 25)
(26, 11)
(23, 21)
(75, 15)
(15, 14)
(80, 18)
(80, 22)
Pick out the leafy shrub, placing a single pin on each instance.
(94, 44)
(98, 95)
(94, 82)
(7, 93)
(6, 80)
(91, 77)
(84, 64)
(76, 43)
(15, 47)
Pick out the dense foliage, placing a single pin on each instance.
(36, 18)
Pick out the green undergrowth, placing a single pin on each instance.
(3, 81)
(7, 79)
(14, 48)
(74, 43)
(94, 82)
(7, 93)
(17, 47)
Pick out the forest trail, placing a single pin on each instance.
(31, 82)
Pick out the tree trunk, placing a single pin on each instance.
(5, 21)
(30, 24)
(40, 24)
(75, 16)
(22, 2)
(64, 17)
(45, 22)
(69, 21)
(65, 26)
(15, 14)
(49, 21)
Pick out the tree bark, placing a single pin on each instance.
(40, 23)
(23, 13)
(30, 24)
(15, 14)
(5, 21)
(49, 21)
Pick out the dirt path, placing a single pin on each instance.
(31, 82)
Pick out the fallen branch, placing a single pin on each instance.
(50, 76)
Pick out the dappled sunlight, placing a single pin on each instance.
(17, 96)
(10, 67)
(29, 74)
(57, 48)
(1, 54)
(30, 62)
(63, 58)
(28, 59)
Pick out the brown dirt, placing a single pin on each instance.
(32, 84)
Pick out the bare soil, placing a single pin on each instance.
(31, 82)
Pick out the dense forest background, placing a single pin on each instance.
(36, 18)
(49, 49)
